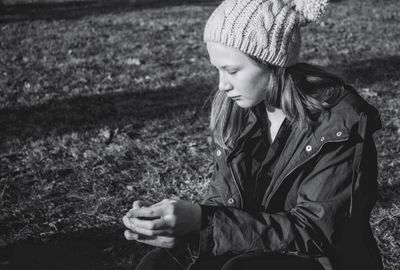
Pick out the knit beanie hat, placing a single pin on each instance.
(268, 30)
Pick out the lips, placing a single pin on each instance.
(234, 97)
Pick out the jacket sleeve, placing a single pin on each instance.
(323, 200)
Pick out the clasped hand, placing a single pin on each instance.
(163, 224)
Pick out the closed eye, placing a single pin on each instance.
(231, 72)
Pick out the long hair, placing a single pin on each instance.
(303, 92)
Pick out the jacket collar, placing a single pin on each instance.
(351, 116)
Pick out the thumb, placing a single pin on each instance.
(138, 204)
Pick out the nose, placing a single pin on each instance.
(224, 84)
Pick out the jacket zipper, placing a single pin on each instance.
(295, 168)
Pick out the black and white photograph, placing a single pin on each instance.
(199, 134)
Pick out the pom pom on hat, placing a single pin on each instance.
(311, 10)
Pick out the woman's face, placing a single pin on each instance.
(243, 79)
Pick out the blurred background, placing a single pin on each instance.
(106, 102)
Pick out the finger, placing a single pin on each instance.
(160, 203)
(154, 224)
(136, 204)
(135, 213)
(135, 207)
(148, 212)
(148, 232)
(129, 235)
(130, 212)
(128, 224)
(158, 242)
(131, 226)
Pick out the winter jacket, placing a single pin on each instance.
(318, 203)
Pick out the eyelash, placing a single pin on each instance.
(231, 72)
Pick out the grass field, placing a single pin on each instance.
(103, 106)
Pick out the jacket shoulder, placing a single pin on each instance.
(351, 110)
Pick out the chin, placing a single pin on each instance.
(245, 103)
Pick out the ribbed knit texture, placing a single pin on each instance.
(266, 29)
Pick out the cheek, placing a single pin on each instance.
(259, 87)
(252, 84)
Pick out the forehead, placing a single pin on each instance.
(221, 55)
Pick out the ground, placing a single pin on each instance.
(101, 105)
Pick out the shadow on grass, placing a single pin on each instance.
(83, 250)
(84, 113)
(76, 10)
(370, 71)
(119, 109)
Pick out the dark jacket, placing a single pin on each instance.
(318, 203)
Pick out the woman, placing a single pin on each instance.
(295, 161)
